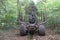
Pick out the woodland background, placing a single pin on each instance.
(12, 10)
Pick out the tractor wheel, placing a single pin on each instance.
(41, 30)
(23, 30)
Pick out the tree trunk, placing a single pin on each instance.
(19, 19)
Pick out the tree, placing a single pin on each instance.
(19, 19)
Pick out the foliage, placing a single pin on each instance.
(46, 10)
(51, 10)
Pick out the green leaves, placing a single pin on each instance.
(46, 10)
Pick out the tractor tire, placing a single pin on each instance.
(23, 31)
(41, 30)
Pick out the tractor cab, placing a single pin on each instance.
(32, 18)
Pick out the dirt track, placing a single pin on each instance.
(13, 35)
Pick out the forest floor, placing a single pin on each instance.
(13, 35)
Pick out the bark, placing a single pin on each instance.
(19, 19)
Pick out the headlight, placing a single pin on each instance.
(36, 26)
(27, 26)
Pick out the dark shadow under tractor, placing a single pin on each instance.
(32, 26)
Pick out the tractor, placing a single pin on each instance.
(32, 26)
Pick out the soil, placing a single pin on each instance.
(14, 35)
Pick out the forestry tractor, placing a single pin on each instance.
(32, 27)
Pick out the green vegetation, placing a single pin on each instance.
(47, 10)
